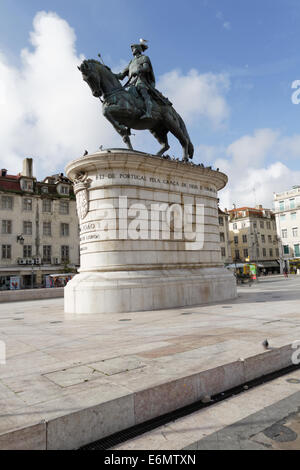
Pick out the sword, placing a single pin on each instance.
(128, 82)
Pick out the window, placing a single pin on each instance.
(236, 240)
(64, 208)
(234, 226)
(64, 190)
(246, 253)
(45, 189)
(271, 252)
(64, 230)
(270, 238)
(284, 233)
(297, 250)
(47, 205)
(269, 225)
(27, 185)
(27, 227)
(286, 249)
(222, 237)
(27, 204)
(7, 202)
(292, 203)
(237, 254)
(264, 252)
(254, 224)
(295, 231)
(282, 218)
(263, 239)
(47, 229)
(6, 226)
(244, 238)
(221, 221)
(65, 254)
(223, 252)
(281, 205)
(6, 251)
(293, 215)
(261, 223)
(277, 251)
(27, 251)
(47, 253)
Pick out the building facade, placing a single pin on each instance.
(253, 237)
(224, 237)
(38, 226)
(287, 212)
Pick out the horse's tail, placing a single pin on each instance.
(186, 135)
(191, 149)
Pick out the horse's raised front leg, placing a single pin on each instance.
(120, 128)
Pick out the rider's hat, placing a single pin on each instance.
(142, 46)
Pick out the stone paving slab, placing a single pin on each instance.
(87, 377)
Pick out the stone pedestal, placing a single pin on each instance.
(149, 234)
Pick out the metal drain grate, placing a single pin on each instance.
(135, 431)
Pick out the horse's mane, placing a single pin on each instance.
(93, 61)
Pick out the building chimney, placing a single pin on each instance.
(27, 167)
(3, 172)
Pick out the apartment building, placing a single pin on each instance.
(224, 237)
(38, 227)
(253, 237)
(287, 212)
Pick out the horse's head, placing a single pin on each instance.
(92, 75)
(99, 77)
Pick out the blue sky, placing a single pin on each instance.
(249, 47)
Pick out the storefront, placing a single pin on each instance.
(58, 280)
(4, 282)
(294, 265)
(270, 267)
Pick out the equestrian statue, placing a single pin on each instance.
(137, 104)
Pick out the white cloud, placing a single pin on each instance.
(289, 147)
(252, 180)
(49, 113)
(227, 25)
(197, 95)
(208, 153)
(252, 150)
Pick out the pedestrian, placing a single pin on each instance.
(285, 272)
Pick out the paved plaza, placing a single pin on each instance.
(70, 380)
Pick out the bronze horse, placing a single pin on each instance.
(124, 109)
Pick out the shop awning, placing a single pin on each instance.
(270, 264)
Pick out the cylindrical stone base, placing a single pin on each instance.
(149, 234)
